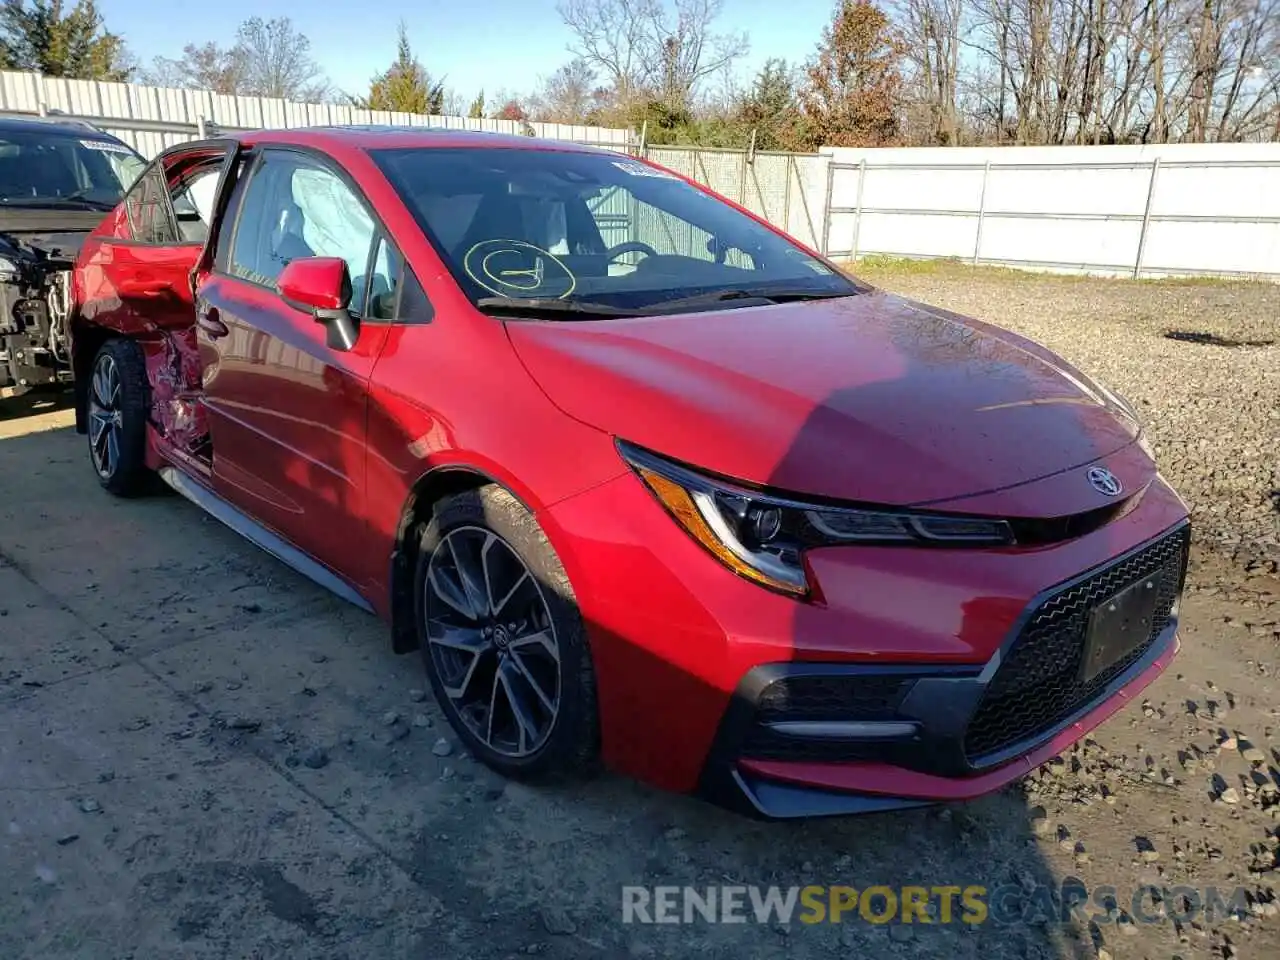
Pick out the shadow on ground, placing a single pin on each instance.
(35, 403)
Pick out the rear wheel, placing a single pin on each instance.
(119, 399)
(502, 638)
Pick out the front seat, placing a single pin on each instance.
(497, 218)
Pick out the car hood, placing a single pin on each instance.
(870, 398)
(56, 233)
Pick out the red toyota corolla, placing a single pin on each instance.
(641, 477)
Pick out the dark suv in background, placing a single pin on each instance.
(58, 178)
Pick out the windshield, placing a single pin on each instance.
(41, 168)
(592, 230)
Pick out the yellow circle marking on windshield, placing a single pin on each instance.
(524, 280)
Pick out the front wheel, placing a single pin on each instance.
(119, 402)
(502, 638)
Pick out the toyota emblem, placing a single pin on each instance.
(1105, 482)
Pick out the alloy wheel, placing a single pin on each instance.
(105, 416)
(491, 641)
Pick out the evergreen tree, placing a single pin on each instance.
(405, 86)
(772, 109)
(42, 35)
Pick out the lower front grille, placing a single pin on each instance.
(832, 697)
(827, 697)
(1037, 685)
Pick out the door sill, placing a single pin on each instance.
(188, 464)
(256, 533)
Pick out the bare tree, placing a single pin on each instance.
(610, 36)
(503, 104)
(1248, 70)
(569, 95)
(650, 48)
(279, 62)
(203, 67)
(1093, 71)
(931, 31)
(270, 58)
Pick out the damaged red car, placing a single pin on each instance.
(641, 478)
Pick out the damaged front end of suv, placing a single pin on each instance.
(35, 302)
(58, 179)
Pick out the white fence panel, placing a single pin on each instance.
(152, 118)
(1140, 211)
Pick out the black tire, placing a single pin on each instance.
(571, 746)
(118, 456)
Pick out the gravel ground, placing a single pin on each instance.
(1212, 411)
(205, 756)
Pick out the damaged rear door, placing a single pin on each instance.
(135, 277)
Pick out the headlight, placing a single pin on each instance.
(763, 537)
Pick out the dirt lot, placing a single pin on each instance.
(203, 755)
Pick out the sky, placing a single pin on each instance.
(491, 45)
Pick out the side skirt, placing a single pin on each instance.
(259, 535)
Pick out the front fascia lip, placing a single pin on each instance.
(819, 515)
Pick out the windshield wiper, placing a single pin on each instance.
(78, 197)
(768, 294)
(590, 308)
(536, 305)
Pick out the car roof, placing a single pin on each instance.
(375, 136)
(64, 126)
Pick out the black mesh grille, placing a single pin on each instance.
(1037, 686)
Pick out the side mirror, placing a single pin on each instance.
(321, 286)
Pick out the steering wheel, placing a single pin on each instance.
(630, 246)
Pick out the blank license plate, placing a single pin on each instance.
(1119, 625)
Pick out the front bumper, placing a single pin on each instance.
(968, 662)
(803, 739)
(782, 790)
